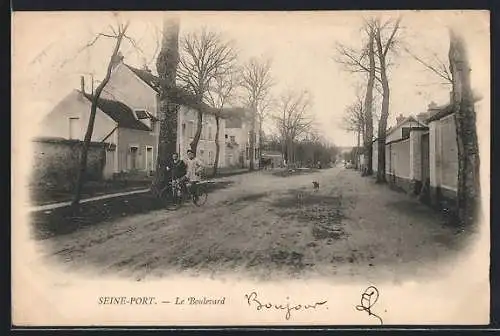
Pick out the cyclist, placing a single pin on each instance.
(194, 171)
(177, 167)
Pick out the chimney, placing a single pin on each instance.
(400, 119)
(82, 84)
(432, 106)
(117, 59)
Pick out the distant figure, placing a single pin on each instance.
(362, 164)
(315, 185)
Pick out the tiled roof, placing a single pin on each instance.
(120, 113)
(235, 116)
(179, 96)
(439, 113)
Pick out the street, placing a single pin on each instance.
(268, 227)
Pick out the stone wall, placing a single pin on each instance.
(56, 162)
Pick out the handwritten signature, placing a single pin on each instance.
(368, 300)
(252, 299)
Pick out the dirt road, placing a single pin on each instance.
(269, 227)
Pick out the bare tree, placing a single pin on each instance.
(219, 95)
(469, 192)
(257, 81)
(437, 66)
(457, 74)
(354, 121)
(205, 57)
(293, 120)
(363, 61)
(166, 64)
(385, 41)
(118, 33)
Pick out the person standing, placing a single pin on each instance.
(194, 169)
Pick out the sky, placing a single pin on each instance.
(49, 55)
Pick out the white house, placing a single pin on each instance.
(403, 153)
(127, 119)
(237, 137)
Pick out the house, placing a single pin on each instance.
(139, 88)
(443, 155)
(237, 138)
(127, 118)
(405, 142)
(275, 158)
(133, 135)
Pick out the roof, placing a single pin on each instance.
(271, 153)
(234, 116)
(147, 77)
(402, 122)
(180, 96)
(445, 110)
(119, 112)
(440, 112)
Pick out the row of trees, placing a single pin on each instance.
(381, 42)
(200, 68)
(307, 151)
(373, 61)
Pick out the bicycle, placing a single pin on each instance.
(178, 192)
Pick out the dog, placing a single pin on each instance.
(315, 185)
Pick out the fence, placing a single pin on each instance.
(56, 162)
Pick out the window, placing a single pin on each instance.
(405, 132)
(247, 153)
(191, 129)
(256, 152)
(225, 136)
(233, 139)
(202, 152)
(141, 114)
(73, 127)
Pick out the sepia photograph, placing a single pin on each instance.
(250, 168)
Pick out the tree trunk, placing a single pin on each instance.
(382, 127)
(217, 144)
(167, 62)
(90, 127)
(368, 120)
(252, 140)
(357, 149)
(199, 127)
(468, 189)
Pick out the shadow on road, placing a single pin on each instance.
(62, 221)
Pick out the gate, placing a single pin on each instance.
(425, 160)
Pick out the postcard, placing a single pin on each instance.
(325, 168)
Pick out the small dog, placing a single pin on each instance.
(315, 185)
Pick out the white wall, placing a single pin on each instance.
(188, 121)
(56, 123)
(126, 87)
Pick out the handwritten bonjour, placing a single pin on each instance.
(368, 299)
(252, 299)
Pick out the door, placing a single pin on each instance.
(149, 159)
(133, 157)
(425, 158)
